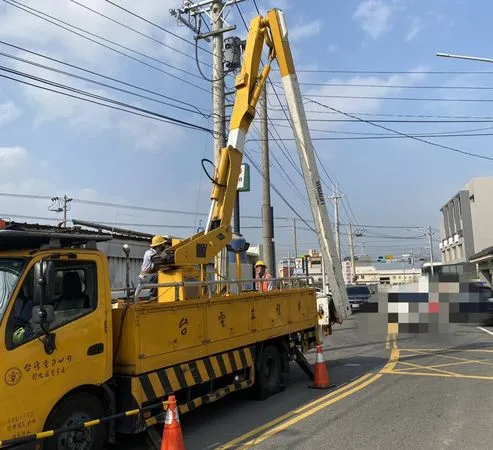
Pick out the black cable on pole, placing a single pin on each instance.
(28, 10)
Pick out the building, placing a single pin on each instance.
(465, 227)
(372, 275)
(309, 264)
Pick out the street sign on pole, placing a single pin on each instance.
(244, 179)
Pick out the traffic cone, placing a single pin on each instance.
(172, 437)
(321, 379)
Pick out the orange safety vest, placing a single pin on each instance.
(263, 286)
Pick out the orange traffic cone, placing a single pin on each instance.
(321, 379)
(172, 437)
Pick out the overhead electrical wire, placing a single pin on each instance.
(282, 106)
(106, 77)
(132, 109)
(155, 25)
(28, 10)
(405, 72)
(89, 80)
(391, 86)
(141, 34)
(404, 135)
(445, 147)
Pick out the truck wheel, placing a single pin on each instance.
(70, 412)
(269, 372)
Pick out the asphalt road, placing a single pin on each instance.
(385, 396)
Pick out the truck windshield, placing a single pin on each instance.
(357, 290)
(10, 272)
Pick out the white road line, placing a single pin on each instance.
(485, 330)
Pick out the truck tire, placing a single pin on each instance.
(70, 411)
(269, 373)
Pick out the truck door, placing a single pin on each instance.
(34, 380)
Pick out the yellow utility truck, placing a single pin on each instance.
(68, 355)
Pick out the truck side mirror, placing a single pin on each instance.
(44, 278)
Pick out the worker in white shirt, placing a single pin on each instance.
(148, 272)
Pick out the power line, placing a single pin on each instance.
(360, 133)
(412, 136)
(404, 134)
(284, 111)
(393, 86)
(288, 204)
(144, 112)
(406, 72)
(156, 25)
(390, 121)
(420, 99)
(100, 43)
(122, 206)
(89, 80)
(142, 34)
(74, 66)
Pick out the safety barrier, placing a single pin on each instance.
(281, 283)
(50, 433)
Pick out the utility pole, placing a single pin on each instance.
(267, 210)
(191, 14)
(430, 239)
(295, 238)
(61, 205)
(351, 250)
(336, 198)
(218, 79)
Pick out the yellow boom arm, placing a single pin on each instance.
(203, 247)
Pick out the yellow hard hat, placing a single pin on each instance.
(260, 263)
(157, 240)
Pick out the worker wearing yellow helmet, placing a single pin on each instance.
(261, 272)
(148, 271)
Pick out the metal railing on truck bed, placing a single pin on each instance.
(225, 287)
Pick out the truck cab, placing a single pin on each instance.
(55, 323)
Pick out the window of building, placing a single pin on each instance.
(74, 296)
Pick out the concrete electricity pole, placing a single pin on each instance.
(191, 14)
(295, 238)
(430, 240)
(336, 198)
(267, 210)
(351, 251)
(61, 204)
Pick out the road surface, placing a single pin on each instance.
(417, 391)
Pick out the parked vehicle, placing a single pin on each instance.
(358, 295)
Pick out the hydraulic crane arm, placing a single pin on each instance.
(202, 247)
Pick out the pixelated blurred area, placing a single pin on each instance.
(434, 303)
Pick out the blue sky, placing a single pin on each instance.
(53, 145)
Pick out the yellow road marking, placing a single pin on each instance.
(457, 358)
(445, 375)
(274, 422)
(302, 413)
(479, 350)
(416, 366)
(306, 414)
(437, 365)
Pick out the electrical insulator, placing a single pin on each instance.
(232, 53)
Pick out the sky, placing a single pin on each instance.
(55, 145)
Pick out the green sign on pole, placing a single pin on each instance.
(244, 179)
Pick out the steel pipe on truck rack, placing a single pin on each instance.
(178, 285)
